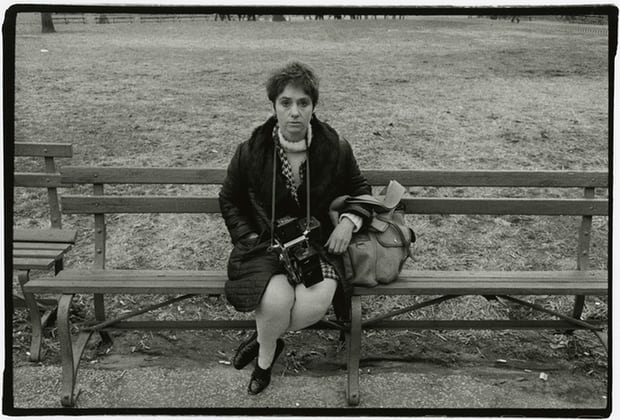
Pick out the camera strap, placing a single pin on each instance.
(273, 191)
(273, 195)
(307, 186)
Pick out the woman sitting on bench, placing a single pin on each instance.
(284, 265)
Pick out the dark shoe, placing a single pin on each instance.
(247, 351)
(261, 378)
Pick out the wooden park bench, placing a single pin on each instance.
(158, 18)
(69, 18)
(40, 249)
(120, 18)
(182, 284)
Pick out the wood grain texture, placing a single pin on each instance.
(42, 245)
(441, 178)
(43, 149)
(32, 263)
(410, 283)
(44, 235)
(73, 204)
(151, 175)
(37, 253)
(437, 178)
(33, 180)
(493, 283)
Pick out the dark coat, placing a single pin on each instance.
(245, 202)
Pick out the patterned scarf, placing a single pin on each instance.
(287, 170)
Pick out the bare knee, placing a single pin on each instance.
(312, 303)
(279, 296)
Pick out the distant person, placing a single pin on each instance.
(301, 155)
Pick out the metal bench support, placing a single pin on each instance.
(70, 352)
(35, 318)
(354, 340)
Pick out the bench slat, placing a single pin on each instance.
(37, 253)
(197, 286)
(131, 282)
(138, 204)
(493, 283)
(439, 178)
(45, 235)
(124, 175)
(48, 180)
(169, 275)
(32, 263)
(43, 149)
(407, 276)
(201, 287)
(412, 283)
(73, 204)
(497, 206)
(63, 247)
(461, 288)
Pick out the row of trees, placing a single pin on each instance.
(47, 23)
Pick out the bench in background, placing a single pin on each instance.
(446, 284)
(69, 18)
(40, 249)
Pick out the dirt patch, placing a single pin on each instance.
(319, 354)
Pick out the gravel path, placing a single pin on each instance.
(221, 386)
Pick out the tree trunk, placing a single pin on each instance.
(47, 24)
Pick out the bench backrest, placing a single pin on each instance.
(587, 206)
(50, 178)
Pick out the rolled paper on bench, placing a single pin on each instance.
(393, 194)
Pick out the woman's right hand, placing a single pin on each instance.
(341, 236)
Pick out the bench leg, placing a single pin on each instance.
(354, 352)
(106, 339)
(58, 266)
(70, 353)
(35, 318)
(577, 309)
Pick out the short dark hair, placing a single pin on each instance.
(295, 73)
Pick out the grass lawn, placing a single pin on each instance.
(420, 93)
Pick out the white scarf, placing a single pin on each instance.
(295, 146)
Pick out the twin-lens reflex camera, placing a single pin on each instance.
(293, 236)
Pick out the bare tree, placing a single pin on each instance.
(47, 24)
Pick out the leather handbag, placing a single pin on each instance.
(377, 253)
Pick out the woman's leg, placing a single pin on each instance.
(311, 303)
(273, 316)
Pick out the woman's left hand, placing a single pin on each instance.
(341, 236)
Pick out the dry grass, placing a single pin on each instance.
(435, 93)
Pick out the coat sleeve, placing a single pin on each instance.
(234, 199)
(357, 185)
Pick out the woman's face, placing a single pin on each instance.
(294, 109)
